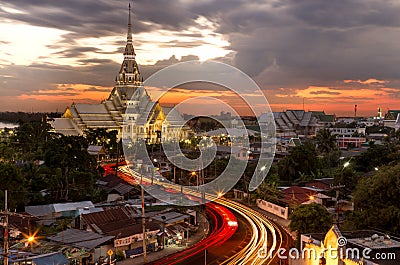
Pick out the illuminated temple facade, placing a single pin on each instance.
(128, 109)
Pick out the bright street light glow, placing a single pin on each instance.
(346, 164)
(232, 223)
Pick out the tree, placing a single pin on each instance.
(326, 141)
(302, 160)
(310, 218)
(348, 178)
(268, 190)
(13, 181)
(377, 200)
(376, 156)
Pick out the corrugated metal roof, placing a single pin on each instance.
(40, 210)
(72, 206)
(170, 217)
(80, 238)
(123, 189)
(54, 259)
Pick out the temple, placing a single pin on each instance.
(128, 109)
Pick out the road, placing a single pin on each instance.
(266, 236)
(223, 226)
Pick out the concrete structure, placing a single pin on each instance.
(282, 212)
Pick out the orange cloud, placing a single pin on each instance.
(72, 92)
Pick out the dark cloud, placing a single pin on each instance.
(324, 92)
(96, 89)
(280, 43)
(75, 52)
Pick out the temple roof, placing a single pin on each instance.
(129, 73)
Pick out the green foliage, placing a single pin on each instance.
(119, 256)
(377, 200)
(268, 190)
(310, 218)
(13, 181)
(347, 177)
(375, 156)
(326, 141)
(302, 160)
(69, 172)
(104, 137)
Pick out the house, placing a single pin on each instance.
(97, 150)
(117, 188)
(50, 212)
(54, 258)
(294, 142)
(346, 142)
(19, 223)
(240, 153)
(122, 222)
(175, 225)
(322, 183)
(295, 195)
(87, 246)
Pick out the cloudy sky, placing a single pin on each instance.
(330, 55)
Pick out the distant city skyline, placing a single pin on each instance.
(312, 55)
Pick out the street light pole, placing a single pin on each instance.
(6, 230)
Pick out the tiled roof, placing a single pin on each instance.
(297, 195)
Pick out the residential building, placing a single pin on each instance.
(87, 246)
(48, 214)
(124, 223)
(295, 195)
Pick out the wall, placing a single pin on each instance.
(277, 210)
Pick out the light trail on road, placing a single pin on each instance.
(257, 251)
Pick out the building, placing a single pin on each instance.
(292, 123)
(295, 195)
(392, 119)
(86, 246)
(49, 213)
(128, 109)
(365, 247)
(123, 223)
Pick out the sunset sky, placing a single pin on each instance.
(330, 55)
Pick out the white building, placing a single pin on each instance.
(128, 109)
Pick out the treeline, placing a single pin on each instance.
(22, 117)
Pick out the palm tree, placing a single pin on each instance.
(326, 141)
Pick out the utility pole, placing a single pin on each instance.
(143, 221)
(337, 201)
(6, 230)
